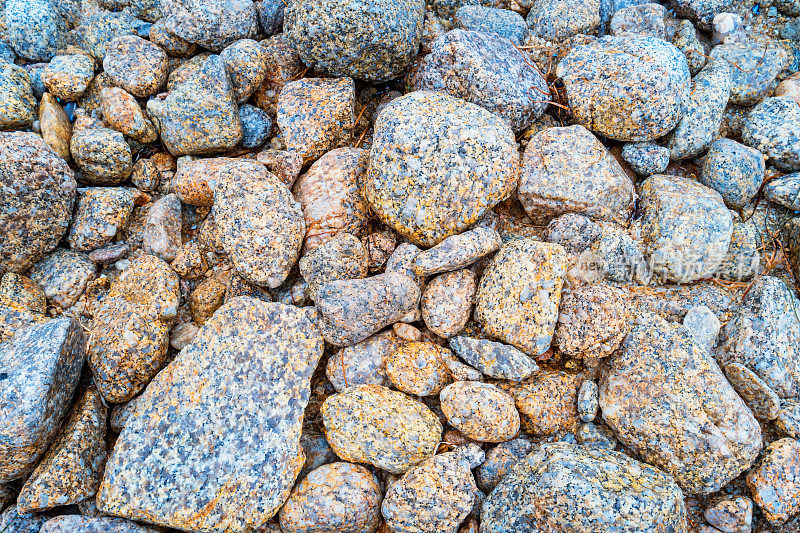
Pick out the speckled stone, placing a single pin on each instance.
(628, 88)
(256, 127)
(162, 228)
(549, 401)
(480, 411)
(592, 321)
(457, 251)
(262, 355)
(92, 99)
(102, 155)
(569, 170)
(97, 30)
(493, 21)
(270, 15)
(494, 358)
(668, 401)
(466, 162)
(286, 164)
(17, 102)
(487, 70)
(588, 405)
(36, 204)
(16, 290)
(686, 227)
(342, 257)
(702, 12)
(260, 223)
(730, 514)
(330, 196)
(772, 129)
(63, 275)
(190, 261)
(129, 333)
(171, 43)
(194, 178)
(436, 495)
(35, 30)
(792, 232)
(686, 40)
(643, 19)
(375, 425)
(702, 114)
(68, 77)
(136, 65)
(373, 40)
(756, 394)
(213, 24)
(102, 524)
(447, 301)
(352, 310)
(743, 260)
(519, 293)
(753, 69)
(573, 231)
(14, 317)
(200, 115)
(500, 460)
(11, 521)
(591, 490)
(364, 363)
(71, 469)
(246, 62)
(764, 336)
(54, 125)
(418, 368)
(733, 170)
(616, 257)
(703, 325)
(122, 113)
(784, 190)
(102, 212)
(774, 484)
(283, 66)
(337, 498)
(557, 20)
(316, 115)
(646, 158)
(788, 419)
(41, 366)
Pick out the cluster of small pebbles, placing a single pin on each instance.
(399, 266)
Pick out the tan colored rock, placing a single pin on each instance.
(55, 126)
(775, 483)
(480, 411)
(592, 321)
(447, 302)
(418, 368)
(549, 401)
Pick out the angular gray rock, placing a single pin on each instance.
(212, 24)
(494, 359)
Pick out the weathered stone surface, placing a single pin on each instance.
(480, 411)
(63, 275)
(574, 232)
(102, 155)
(364, 363)
(17, 101)
(568, 170)
(71, 469)
(644, 19)
(519, 293)
(36, 205)
(102, 524)
(591, 490)
(283, 66)
(628, 88)
(161, 235)
(774, 484)
(342, 257)
(129, 333)
(784, 190)
(486, 70)
(730, 514)
(418, 368)
(239, 451)
(733, 170)
(686, 227)
(373, 40)
(35, 30)
(260, 223)
(98, 29)
(14, 522)
(500, 460)
(700, 11)
(246, 62)
(465, 163)
(316, 115)
(702, 115)
(446, 304)
(212, 24)
(337, 497)
(68, 77)
(457, 251)
(501, 22)
(436, 495)
(122, 113)
(256, 126)
(788, 419)
(138, 66)
(54, 125)
(703, 326)
(686, 40)
(330, 197)
(762, 400)
(557, 20)
(375, 425)
(41, 365)
(19, 291)
(667, 400)
(352, 310)
(646, 158)
(764, 336)
(200, 115)
(753, 69)
(102, 212)
(494, 359)
(549, 400)
(771, 128)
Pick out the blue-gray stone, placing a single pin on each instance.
(784, 190)
(97, 31)
(646, 158)
(733, 170)
(35, 29)
(754, 68)
(270, 15)
(6, 52)
(502, 22)
(773, 128)
(256, 126)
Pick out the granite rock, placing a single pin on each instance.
(730, 514)
(102, 524)
(212, 24)
(788, 419)
(775, 484)
(256, 126)
(418, 368)
(465, 163)
(161, 236)
(549, 402)
(557, 20)
(667, 400)
(494, 359)
(447, 302)
(703, 325)
(375, 425)
(17, 101)
(102, 155)
(246, 62)
(41, 366)
(35, 30)
(136, 65)
(12, 521)
(490, 20)
(644, 19)
(753, 69)
(374, 40)
(342, 257)
(364, 363)
(285, 164)
(702, 12)
(646, 158)
(239, 451)
(54, 125)
(96, 31)
(756, 394)
(733, 170)
(487, 70)
(480, 411)
(171, 43)
(573, 231)
(686, 40)
(102, 212)
(64, 275)
(569, 170)
(36, 206)
(122, 113)
(772, 128)
(628, 88)
(500, 460)
(784, 190)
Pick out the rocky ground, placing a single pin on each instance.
(359, 266)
